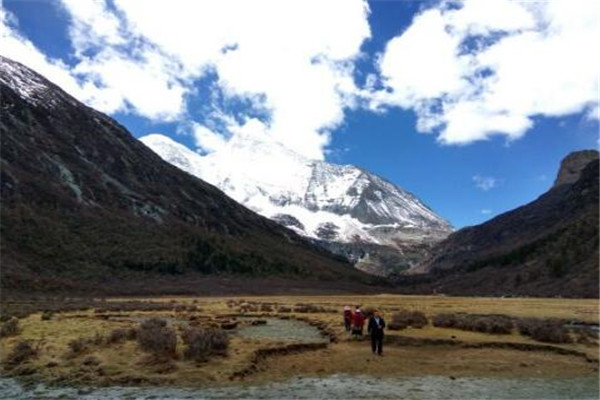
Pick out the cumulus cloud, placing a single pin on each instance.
(292, 61)
(485, 183)
(474, 69)
(286, 58)
(468, 69)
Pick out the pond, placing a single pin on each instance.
(334, 387)
(282, 330)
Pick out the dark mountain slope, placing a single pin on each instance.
(548, 247)
(85, 202)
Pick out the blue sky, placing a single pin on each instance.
(471, 108)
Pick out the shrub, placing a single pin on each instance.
(47, 315)
(445, 320)
(154, 336)
(91, 361)
(20, 353)
(131, 334)
(265, 307)
(10, 328)
(152, 323)
(204, 342)
(549, 331)
(500, 325)
(404, 318)
(120, 335)
(78, 346)
(396, 325)
(284, 309)
(493, 324)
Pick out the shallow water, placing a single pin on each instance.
(335, 387)
(283, 330)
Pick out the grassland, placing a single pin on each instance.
(429, 350)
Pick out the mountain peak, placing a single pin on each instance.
(572, 165)
(340, 204)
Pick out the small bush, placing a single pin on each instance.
(445, 320)
(284, 309)
(78, 346)
(10, 328)
(47, 315)
(131, 334)
(500, 325)
(404, 318)
(91, 361)
(396, 325)
(120, 335)
(493, 324)
(154, 336)
(204, 342)
(549, 331)
(20, 353)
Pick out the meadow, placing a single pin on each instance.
(220, 341)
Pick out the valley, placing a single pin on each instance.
(349, 199)
(280, 340)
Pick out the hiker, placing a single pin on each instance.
(375, 328)
(347, 318)
(357, 323)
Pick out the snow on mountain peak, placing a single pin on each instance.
(318, 199)
(32, 87)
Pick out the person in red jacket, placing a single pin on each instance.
(358, 321)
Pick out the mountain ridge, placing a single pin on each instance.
(81, 197)
(548, 247)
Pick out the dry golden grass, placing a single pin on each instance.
(123, 363)
(578, 309)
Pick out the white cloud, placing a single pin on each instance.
(15, 46)
(485, 183)
(293, 61)
(286, 59)
(486, 211)
(475, 69)
(469, 71)
(206, 139)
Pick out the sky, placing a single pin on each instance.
(470, 105)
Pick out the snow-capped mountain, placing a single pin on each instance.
(340, 204)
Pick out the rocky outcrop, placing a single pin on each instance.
(572, 166)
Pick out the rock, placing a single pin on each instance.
(572, 166)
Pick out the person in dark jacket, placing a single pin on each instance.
(375, 328)
(347, 318)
